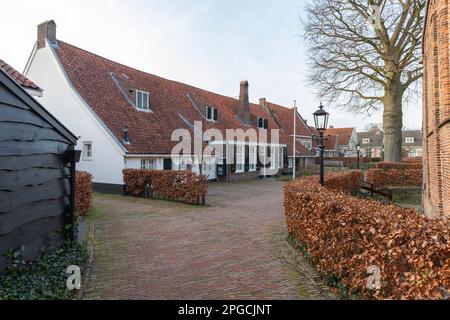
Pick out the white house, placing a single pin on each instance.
(125, 118)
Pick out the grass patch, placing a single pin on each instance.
(45, 278)
(408, 197)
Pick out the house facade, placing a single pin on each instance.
(436, 109)
(340, 142)
(371, 143)
(412, 143)
(129, 119)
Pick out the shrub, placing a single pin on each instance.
(413, 160)
(408, 177)
(172, 185)
(83, 192)
(45, 278)
(344, 236)
(346, 182)
(348, 162)
(399, 166)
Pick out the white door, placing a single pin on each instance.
(210, 169)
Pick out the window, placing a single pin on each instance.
(263, 123)
(148, 164)
(212, 114)
(87, 151)
(253, 158)
(307, 144)
(366, 141)
(291, 163)
(410, 140)
(240, 158)
(185, 163)
(142, 100)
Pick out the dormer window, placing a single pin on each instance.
(142, 100)
(212, 114)
(409, 140)
(366, 141)
(263, 123)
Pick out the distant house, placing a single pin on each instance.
(340, 142)
(412, 143)
(37, 166)
(125, 118)
(371, 143)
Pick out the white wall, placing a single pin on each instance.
(61, 100)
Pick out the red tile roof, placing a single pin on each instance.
(345, 134)
(18, 77)
(105, 85)
(331, 143)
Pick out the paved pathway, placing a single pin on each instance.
(234, 248)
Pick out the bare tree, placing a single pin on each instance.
(365, 54)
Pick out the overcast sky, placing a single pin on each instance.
(211, 44)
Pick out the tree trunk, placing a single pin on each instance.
(393, 124)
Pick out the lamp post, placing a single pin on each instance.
(358, 150)
(321, 123)
(294, 165)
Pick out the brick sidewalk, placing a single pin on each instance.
(234, 248)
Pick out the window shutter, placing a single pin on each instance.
(266, 124)
(258, 158)
(208, 113)
(216, 114)
(247, 158)
(286, 158)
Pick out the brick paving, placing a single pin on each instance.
(234, 248)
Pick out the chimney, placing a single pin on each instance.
(244, 103)
(46, 30)
(331, 127)
(262, 102)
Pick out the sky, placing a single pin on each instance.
(211, 44)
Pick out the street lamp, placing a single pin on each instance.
(358, 150)
(321, 122)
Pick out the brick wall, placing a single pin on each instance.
(437, 109)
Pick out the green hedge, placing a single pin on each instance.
(43, 279)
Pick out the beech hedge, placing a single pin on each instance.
(408, 177)
(413, 160)
(351, 161)
(83, 192)
(346, 237)
(184, 186)
(399, 166)
(347, 182)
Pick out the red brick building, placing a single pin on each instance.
(437, 109)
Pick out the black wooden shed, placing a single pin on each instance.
(37, 175)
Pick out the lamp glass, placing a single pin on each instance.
(321, 119)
